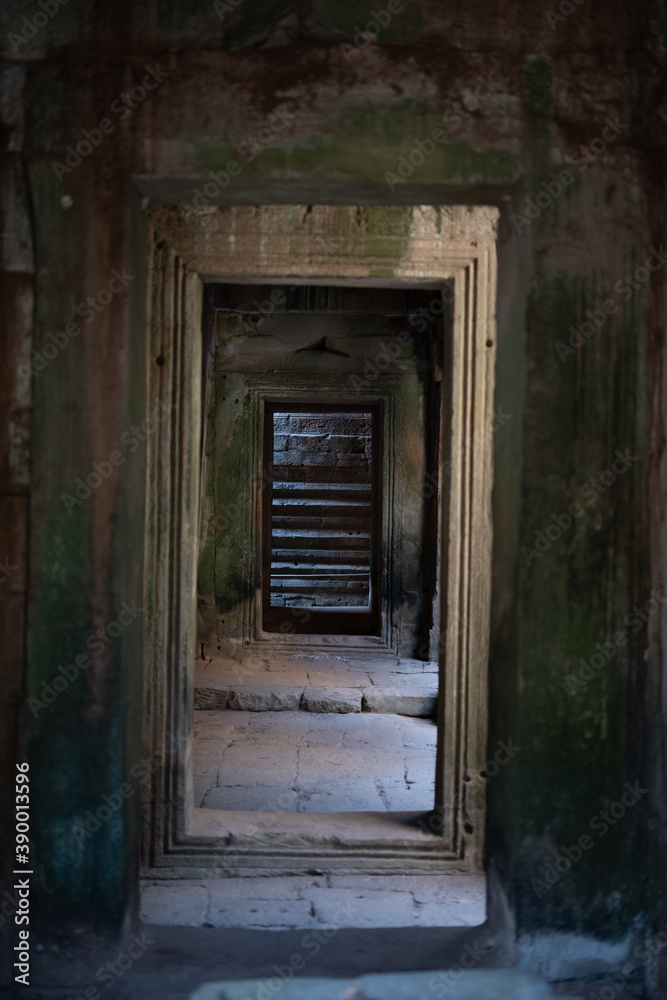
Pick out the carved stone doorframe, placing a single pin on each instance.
(413, 246)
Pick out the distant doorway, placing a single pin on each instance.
(322, 505)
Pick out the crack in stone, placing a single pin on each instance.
(383, 795)
(202, 804)
(296, 782)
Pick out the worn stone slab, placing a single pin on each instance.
(269, 890)
(277, 915)
(265, 699)
(206, 772)
(406, 666)
(361, 796)
(382, 907)
(388, 702)
(175, 903)
(473, 984)
(304, 901)
(258, 798)
(431, 914)
(211, 698)
(326, 699)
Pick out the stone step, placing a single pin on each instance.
(472, 984)
(311, 902)
(254, 684)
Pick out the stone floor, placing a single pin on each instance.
(294, 761)
(179, 960)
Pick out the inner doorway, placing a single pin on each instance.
(317, 682)
(321, 549)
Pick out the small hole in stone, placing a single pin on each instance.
(466, 777)
(489, 343)
(159, 360)
(482, 774)
(467, 827)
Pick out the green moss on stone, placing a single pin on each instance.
(362, 158)
(576, 763)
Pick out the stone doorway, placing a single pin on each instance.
(331, 545)
(447, 253)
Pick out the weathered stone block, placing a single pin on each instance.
(211, 698)
(418, 705)
(321, 699)
(174, 904)
(263, 699)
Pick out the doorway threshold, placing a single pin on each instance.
(265, 682)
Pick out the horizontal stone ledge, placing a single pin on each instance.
(472, 984)
(315, 699)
